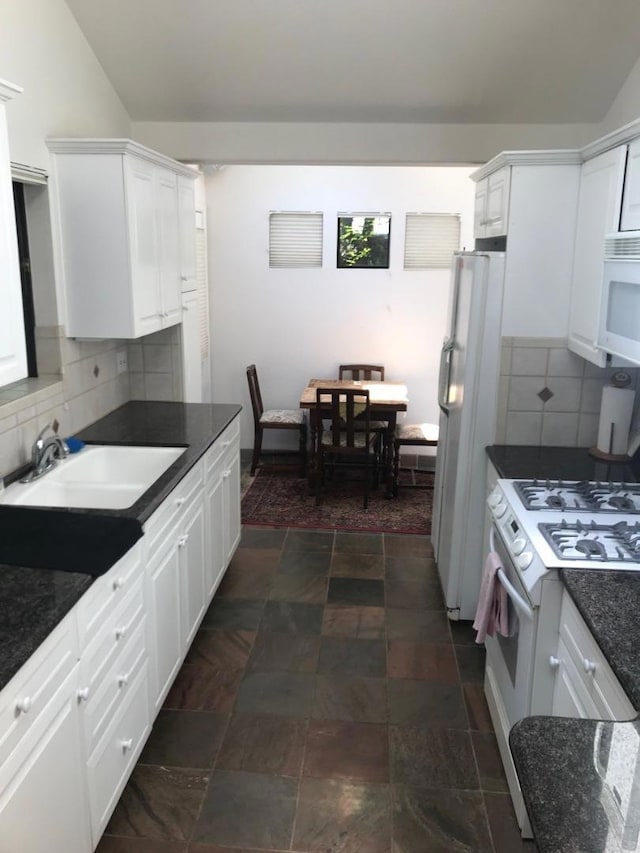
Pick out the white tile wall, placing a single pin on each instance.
(570, 417)
(155, 366)
(78, 384)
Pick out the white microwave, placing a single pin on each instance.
(619, 328)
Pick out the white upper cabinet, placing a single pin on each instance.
(601, 182)
(491, 213)
(119, 212)
(13, 357)
(630, 218)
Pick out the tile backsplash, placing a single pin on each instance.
(550, 396)
(155, 366)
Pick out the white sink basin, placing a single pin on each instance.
(98, 477)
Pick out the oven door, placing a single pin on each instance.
(510, 659)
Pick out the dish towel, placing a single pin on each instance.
(491, 613)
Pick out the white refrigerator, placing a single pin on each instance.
(467, 397)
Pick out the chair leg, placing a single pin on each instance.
(318, 475)
(257, 446)
(396, 467)
(303, 450)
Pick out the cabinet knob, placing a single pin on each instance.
(554, 662)
(23, 705)
(185, 307)
(588, 665)
(180, 501)
(123, 680)
(184, 278)
(226, 475)
(118, 583)
(226, 443)
(121, 632)
(126, 744)
(182, 541)
(82, 694)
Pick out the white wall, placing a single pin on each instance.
(287, 143)
(626, 105)
(298, 324)
(66, 92)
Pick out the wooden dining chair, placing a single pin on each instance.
(291, 419)
(343, 435)
(361, 371)
(416, 435)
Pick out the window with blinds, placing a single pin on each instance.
(295, 240)
(430, 240)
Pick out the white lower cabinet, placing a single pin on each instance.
(585, 685)
(43, 800)
(75, 718)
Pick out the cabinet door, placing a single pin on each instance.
(187, 216)
(42, 799)
(570, 697)
(141, 213)
(232, 523)
(598, 210)
(498, 202)
(630, 218)
(169, 252)
(165, 646)
(192, 550)
(216, 552)
(480, 209)
(13, 358)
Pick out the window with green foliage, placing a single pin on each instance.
(363, 241)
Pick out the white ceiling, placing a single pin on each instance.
(436, 61)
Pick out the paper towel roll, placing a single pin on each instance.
(615, 420)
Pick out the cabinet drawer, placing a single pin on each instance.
(106, 593)
(27, 694)
(111, 762)
(171, 508)
(591, 665)
(221, 445)
(112, 690)
(112, 638)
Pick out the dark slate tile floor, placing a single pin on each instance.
(327, 705)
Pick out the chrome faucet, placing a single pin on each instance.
(45, 453)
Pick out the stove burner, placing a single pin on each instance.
(606, 543)
(579, 495)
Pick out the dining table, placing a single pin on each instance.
(386, 399)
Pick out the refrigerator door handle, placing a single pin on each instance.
(445, 370)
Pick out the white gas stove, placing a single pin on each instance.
(567, 524)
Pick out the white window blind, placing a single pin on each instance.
(203, 291)
(430, 240)
(295, 240)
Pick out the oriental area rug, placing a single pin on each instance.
(278, 497)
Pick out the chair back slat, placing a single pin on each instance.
(361, 372)
(254, 393)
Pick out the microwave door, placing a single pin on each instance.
(619, 332)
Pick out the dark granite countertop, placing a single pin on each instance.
(573, 773)
(559, 463)
(48, 557)
(32, 603)
(93, 540)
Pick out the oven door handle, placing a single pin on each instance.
(518, 601)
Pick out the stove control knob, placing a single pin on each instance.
(499, 509)
(518, 545)
(524, 560)
(494, 498)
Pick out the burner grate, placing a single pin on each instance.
(605, 543)
(579, 495)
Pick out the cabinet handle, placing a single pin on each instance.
(554, 662)
(126, 744)
(182, 541)
(180, 501)
(118, 584)
(184, 278)
(226, 475)
(121, 632)
(226, 443)
(123, 680)
(589, 665)
(23, 706)
(185, 307)
(82, 694)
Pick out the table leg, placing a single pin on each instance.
(388, 453)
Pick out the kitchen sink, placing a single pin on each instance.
(98, 477)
